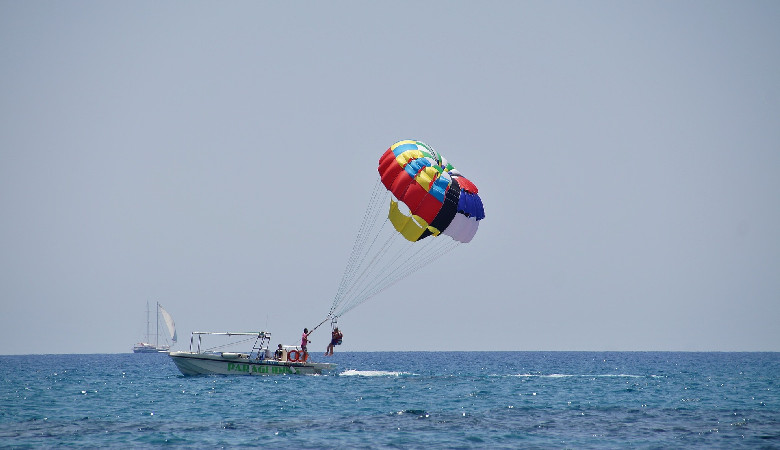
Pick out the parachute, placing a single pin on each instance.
(438, 197)
(428, 199)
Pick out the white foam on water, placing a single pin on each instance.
(372, 373)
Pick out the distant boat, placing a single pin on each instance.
(147, 346)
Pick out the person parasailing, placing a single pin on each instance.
(336, 337)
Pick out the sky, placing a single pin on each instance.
(217, 157)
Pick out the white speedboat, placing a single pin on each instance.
(259, 361)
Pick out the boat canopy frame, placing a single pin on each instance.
(262, 340)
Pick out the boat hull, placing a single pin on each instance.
(149, 348)
(190, 363)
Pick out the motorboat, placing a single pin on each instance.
(288, 359)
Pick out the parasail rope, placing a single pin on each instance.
(355, 259)
(370, 266)
(361, 269)
(400, 272)
(380, 258)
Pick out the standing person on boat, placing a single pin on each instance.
(305, 340)
(335, 339)
(279, 353)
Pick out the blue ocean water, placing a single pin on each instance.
(400, 399)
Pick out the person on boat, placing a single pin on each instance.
(305, 340)
(279, 353)
(335, 339)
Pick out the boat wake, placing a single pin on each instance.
(372, 373)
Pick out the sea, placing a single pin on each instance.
(399, 400)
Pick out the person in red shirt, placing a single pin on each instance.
(305, 340)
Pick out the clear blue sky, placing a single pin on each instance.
(217, 157)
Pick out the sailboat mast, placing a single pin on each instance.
(147, 321)
(157, 336)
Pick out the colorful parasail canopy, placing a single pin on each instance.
(430, 196)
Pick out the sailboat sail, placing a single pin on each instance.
(168, 322)
(149, 346)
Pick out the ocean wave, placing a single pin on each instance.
(566, 375)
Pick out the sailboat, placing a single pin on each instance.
(147, 346)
